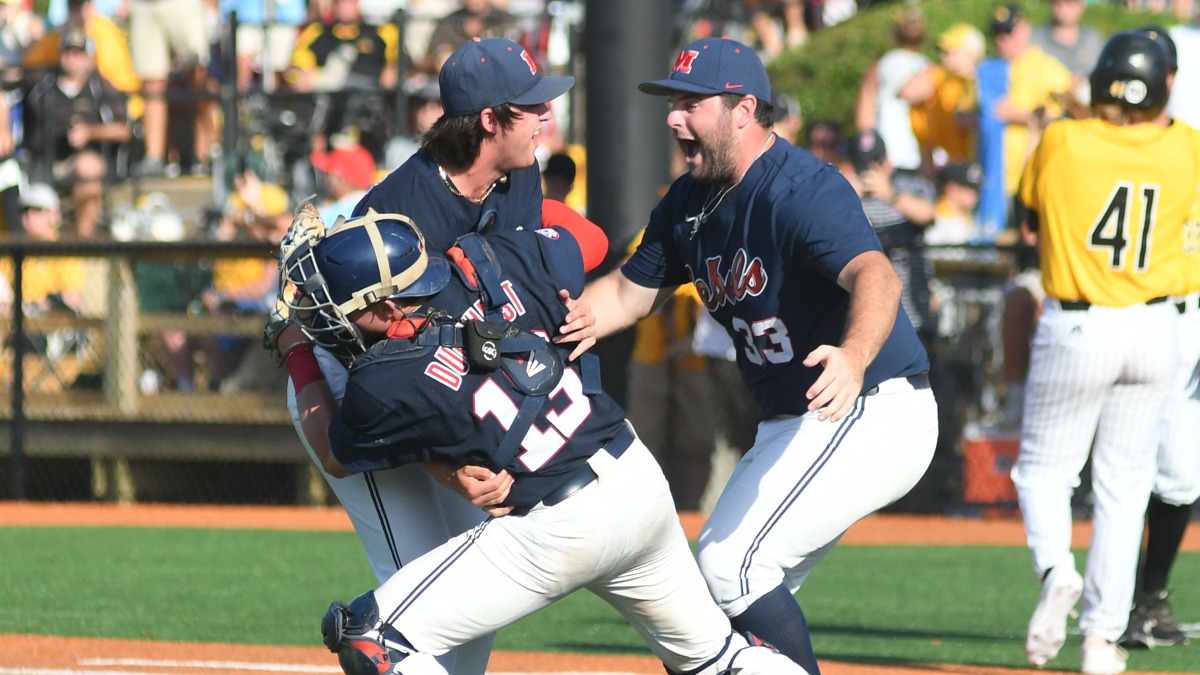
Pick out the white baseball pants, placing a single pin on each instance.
(805, 482)
(1178, 478)
(399, 515)
(1098, 379)
(619, 537)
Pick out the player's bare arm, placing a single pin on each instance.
(621, 303)
(314, 401)
(874, 300)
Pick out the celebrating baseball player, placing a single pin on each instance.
(1177, 481)
(495, 102)
(466, 334)
(1107, 198)
(777, 245)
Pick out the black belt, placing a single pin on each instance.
(585, 475)
(1076, 305)
(1182, 306)
(917, 382)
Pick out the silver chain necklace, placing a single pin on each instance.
(455, 191)
(714, 201)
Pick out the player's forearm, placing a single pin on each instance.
(317, 407)
(874, 301)
(618, 303)
(918, 210)
(315, 403)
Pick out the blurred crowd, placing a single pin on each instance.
(105, 92)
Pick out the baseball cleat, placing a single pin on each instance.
(1101, 657)
(364, 656)
(1152, 624)
(1048, 627)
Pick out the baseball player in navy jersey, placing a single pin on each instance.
(452, 366)
(493, 94)
(777, 245)
(1107, 198)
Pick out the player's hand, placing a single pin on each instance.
(877, 182)
(840, 383)
(483, 488)
(78, 136)
(579, 326)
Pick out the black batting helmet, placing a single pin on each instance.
(1163, 38)
(1131, 72)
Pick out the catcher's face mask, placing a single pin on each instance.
(355, 264)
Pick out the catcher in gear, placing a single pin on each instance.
(466, 334)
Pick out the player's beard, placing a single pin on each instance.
(720, 161)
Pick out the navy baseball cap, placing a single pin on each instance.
(715, 66)
(487, 72)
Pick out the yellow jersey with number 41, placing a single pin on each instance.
(1111, 204)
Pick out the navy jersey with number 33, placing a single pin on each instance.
(766, 262)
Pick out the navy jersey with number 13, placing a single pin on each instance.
(401, 411)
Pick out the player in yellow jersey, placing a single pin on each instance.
(1177, 482)
(1107, 198)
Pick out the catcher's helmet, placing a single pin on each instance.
(1131, 72)
(358, 263)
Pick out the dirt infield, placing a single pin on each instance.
(49, 655)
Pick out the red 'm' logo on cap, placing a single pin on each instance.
(683, 64)
(529, 61)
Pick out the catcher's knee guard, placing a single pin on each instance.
(353, 633)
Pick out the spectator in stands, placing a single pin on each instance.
(553, 141)
(475, 18)
(74, 119)
(880, 107)
(348, 53)
(48, 283)
(264, 40)
(899, 205)
(558, 177)
(778, 24)
(113, 60)
(166, 36)
(1075, 45)
(668, 393)
(424, 108)
(788, 118)
(958, 195)
(942, 100)
(256, 211)
(1016, 99)
(19, 28)
(824, 140)
(345, 174)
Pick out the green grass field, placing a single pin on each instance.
(866, 604)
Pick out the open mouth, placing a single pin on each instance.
(690, 148)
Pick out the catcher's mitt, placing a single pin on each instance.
(307, 225)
